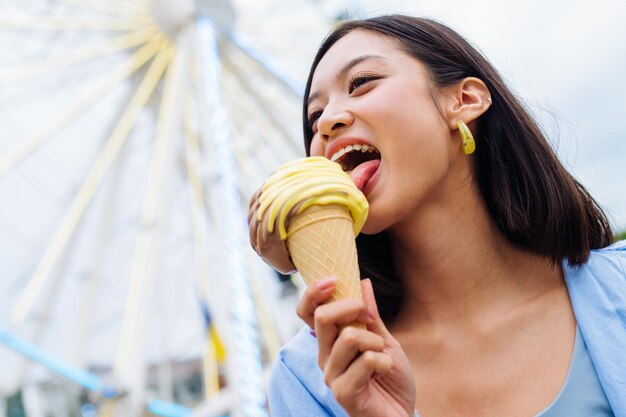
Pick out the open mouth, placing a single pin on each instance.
(351, 156)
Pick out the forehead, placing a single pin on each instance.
(353, 45)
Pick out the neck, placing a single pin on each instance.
(456, 265)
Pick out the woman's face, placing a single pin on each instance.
(366, 92)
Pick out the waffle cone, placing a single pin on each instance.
(321, 244)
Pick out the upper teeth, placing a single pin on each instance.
(359, 147)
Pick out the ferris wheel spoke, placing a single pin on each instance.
(80, 203)
(266, 107)
(243, 141)
(130, 364)
(201, 245)
(240, 122)
(245, 364)
(139, 9)
(266, 65)
(255, 159)
(52, 23)
(32, 143)
(252, 167)
(78, 56)
(109, 7)
(255, 143)
(266, 324)
(250, 150)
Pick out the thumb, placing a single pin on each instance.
(377, 326)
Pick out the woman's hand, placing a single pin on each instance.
(366, 369)
(267, 245)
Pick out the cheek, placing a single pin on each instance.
(317, 146)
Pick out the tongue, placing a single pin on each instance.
(363, 172)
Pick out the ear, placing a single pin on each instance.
(466, 101)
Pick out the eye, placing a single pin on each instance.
(358, 80)
(313, 118)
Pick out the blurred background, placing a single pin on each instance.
(133, 134)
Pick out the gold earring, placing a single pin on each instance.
(469, 145)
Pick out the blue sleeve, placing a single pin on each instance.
(296, 386)
(288, 396)
(598, 294)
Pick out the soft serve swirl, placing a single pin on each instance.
(305, 182)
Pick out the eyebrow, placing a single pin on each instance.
(342, 72)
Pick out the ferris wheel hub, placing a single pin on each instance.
(174, 15)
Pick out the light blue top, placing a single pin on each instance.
(598, 294)
(581, 394)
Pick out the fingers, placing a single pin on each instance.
(358, 375)
(314, 295)
(253, 230)
(364, 367)
(377, 325)
(254, 204)
(351, 343)
(252, 221)
(352, 357)
(267, 245)
(272, 249)
(329, 318)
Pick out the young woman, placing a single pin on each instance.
(491, 288)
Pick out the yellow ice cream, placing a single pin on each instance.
(305, 182)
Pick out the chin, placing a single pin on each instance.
(373, 227)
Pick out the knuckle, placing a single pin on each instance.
(350, 336)
(379, 342)
(320, 317)
(358, 306)
(369, 358)
(300, 311)
(303, 311)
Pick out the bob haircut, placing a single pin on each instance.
(536, 204)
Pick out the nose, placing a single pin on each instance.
(332, 122)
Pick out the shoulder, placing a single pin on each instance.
(617, 249)
(297, 383)
(597, 292)
(605, 264)
(598, 295)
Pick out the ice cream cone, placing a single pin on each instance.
(321, 243)
(315, 206)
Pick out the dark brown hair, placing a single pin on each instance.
(533, 200)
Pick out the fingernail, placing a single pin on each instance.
(312, 332)
(325, 283)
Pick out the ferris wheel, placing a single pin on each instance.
(134, 133)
